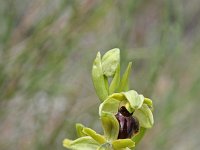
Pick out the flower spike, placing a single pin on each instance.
(125, 115)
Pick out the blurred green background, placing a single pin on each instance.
(46, 52)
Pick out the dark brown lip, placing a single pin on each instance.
(128, 124)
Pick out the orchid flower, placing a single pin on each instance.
(125, 115)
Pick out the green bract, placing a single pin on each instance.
(114, 93)
(99, 78)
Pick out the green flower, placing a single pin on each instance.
(134, 103)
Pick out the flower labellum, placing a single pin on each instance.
(128, 125)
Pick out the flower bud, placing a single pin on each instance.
(110, 61)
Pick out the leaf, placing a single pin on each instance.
(97, 137)
(134, 99)
(115, 82)
(110, 61)
(79, 130)
(144, 116)
(98, 78)
(110, 126)
(124, 84)
(83, 143)
(123, 143)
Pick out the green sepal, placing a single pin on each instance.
(134, 99)
(110, 105)
(98, 78)
(110, 61)
(139, 136)
(97, 137)
(145, 116)
(83, 143)
(110, 126)
(124, 84)
(79, 130)
(123, 143)
(115, 81)
(118, 96)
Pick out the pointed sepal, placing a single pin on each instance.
(110, 126)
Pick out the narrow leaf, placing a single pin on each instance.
(115, 82)
(124, 84)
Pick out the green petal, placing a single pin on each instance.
(83, 143)
(98, 78)
(115, 82)
(79, 130)
(148, 102)
(110, 126)
(110, 61)
(97, 137)
(123, 143)
(134, 99)
(124, 84)
(144, 116)
(128, 107)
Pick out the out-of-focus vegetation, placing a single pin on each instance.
(46, 52)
